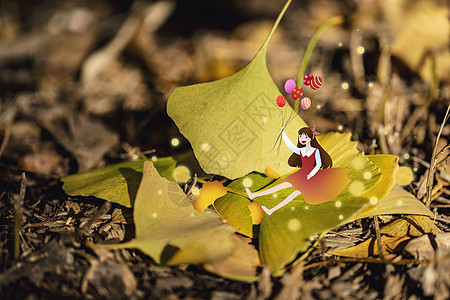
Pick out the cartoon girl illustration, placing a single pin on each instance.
(315, 180)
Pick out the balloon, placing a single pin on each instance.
(307, 79)
(289, 86)
(305, 103)
(316, 83)
(297, 93)
(281, 101)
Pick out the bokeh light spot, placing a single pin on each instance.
(404, 175)
(367, 175)
(247, 182)
(175, 142)
(356, 188)
(373, 200)
(357, 163)
(294, 225)
(195, 191)
(181, 174)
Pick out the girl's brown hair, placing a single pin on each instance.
(295, 159)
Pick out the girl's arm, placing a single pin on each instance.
(318, 165)
(289, 144)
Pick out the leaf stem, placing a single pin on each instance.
(432, 168)
(336, 20)
(264, 47)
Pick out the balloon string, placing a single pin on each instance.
(296, 109)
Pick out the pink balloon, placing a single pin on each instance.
(289, 86)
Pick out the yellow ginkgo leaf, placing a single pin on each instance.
(271, 173)
(256, 212)
(208, 194)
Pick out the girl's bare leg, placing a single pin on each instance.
(275, 189)
(282, 203)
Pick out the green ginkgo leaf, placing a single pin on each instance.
(170, 230)
(115, 183)
(343, 152)
(232, 123)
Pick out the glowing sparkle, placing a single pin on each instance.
(159, 192)
(357, 163)
(399, 202)
(306, 207)
(175, 142)
(341, 217)
(415, 169)
(293, 208)
(356, 188)
(247, 182)
(318, 106)
(360, 50)
(344, 86)
(396, 134)
(338, 203)
(294, 225)
(311, 238)
(275, 195)
(340, 127)
(135, 157)
(404, 175)
(340, 44)
(195, 191)
(373, 201)
(192, 214)
(370, 84)
(154, 215)
(406, 156)
(154, 158)
(367, 175)
(205, 147)
(181, 174)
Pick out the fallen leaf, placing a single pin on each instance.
(395, 237)
(115, 183)
(271, 173)
(398, 201)
(421, 29)
(369, 248)
(410, 225)
(256, 212)
(427, 248)
(291, 229)
(233, 122)
(170, 230)
(242, 265)
(209, 192)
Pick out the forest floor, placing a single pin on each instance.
(85, 84)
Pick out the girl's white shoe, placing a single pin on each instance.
(250, 195)
(266, 210)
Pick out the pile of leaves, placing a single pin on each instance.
(231, 125)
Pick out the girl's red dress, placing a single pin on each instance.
(324, 186)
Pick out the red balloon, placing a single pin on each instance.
(316, 83)
(297, 93)
(281, 101)
(307, 79)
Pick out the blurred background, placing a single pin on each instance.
(85, 83)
